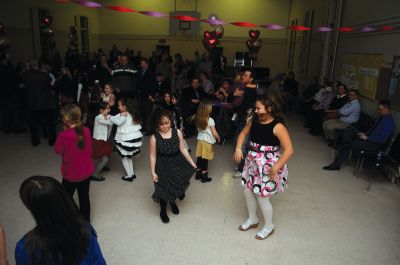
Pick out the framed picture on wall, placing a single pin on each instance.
(305, 44)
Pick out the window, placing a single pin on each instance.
(84, 25)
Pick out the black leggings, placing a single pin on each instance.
(202, 163)
(83, 194)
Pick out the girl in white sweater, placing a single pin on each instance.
(128, 138)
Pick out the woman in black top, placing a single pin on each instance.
(265, 170)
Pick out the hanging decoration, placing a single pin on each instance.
(47, 31)
(85, 3)
(213, 20)
(254, 43)
(244, 24)
(121, 9)
(73, 40)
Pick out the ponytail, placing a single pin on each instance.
(71, 113)
(79, 132)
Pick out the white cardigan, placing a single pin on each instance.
(127, 130)
(102, 128)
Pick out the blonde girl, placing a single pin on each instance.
(206, 138)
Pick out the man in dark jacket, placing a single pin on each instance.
(145, 84)
(124, 78)
(41, 103)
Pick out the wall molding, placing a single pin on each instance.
(180, 38)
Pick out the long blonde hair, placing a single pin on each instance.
(71, 115)
(203, 113)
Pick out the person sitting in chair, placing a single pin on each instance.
(377, 135)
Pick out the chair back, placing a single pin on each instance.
(394, 152)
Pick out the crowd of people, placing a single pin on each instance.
(114, 102)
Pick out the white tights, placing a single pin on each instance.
(265, 205)
(128, 166)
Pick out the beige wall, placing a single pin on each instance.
(141, 32)
(297, 11)
(386, 43)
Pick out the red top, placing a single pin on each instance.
(77, 165)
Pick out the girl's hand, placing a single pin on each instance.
(218, 139)
(273, 174)
(155, 177)
(125, 113)
(238, 156)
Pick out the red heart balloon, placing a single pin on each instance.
(249, 44)
(47, 20)
(207, 34)
(254, 34)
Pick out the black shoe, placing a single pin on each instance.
(174, 208)
(35, 144)
(331, 167)
(164, 217)
(198, 175)
(126, 178)
(182, 197)
(106, 168)
(99, 178)
(205, 178)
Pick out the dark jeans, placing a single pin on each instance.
(45, 119)
(83, 194)
(352, 142)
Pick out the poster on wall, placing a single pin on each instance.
(361, 72)
(394, 84)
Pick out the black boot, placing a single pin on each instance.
(163, 212)
(174, 208)
(182, 197)
(198, 175)
(205, 178)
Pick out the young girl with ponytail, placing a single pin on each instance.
(75, 146)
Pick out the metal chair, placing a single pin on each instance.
(379, 157)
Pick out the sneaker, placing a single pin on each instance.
(237, 175)
(99, 178)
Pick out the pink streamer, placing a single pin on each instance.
(213, 21)
(87, 3)
(152, 13)
(367, 29)
(323, 29)
(272, 26)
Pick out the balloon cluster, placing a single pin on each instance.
(211, 38)
(47, 31)
(254, 43)
(73, 39)
(4, 42)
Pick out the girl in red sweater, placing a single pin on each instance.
(74, 144)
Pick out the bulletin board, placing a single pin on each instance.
(394, 84)
(361, 71)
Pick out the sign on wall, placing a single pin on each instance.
(361, 72)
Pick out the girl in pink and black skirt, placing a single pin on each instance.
(265, 171)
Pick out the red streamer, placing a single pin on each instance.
(185, 18)
(299, 28)
(345, 29)
(244, 24)
(387, 28)
(120, 9)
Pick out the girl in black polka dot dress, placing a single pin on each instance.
(170, 164)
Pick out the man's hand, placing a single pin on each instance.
(362, 136)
